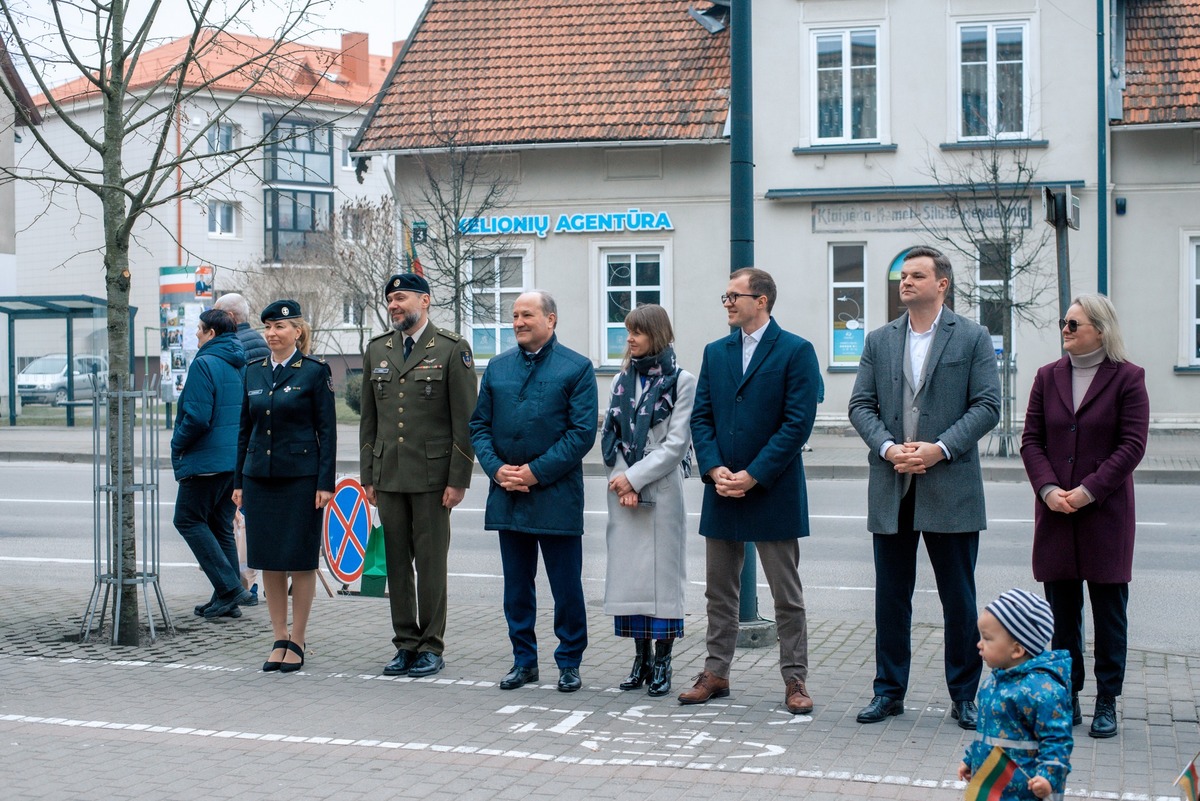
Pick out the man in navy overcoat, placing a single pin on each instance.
(755, 403)
(927, 390)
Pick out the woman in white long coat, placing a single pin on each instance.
(646, 441)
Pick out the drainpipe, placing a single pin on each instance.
(1101, 156)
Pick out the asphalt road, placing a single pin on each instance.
(46, 539)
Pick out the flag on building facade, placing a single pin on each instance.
(988, 783)
(1189, 780)
(410, 250)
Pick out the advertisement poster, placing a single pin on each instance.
(184, 292)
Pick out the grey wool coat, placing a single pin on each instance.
(959, 403)
(647, 545)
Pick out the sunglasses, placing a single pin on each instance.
(1072, 325)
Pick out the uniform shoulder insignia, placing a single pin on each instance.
(450, 335)
(316, 359)
(381, 335)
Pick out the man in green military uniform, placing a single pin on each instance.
(419, 390)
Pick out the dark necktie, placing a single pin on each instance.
(276, 372)
(408, 346)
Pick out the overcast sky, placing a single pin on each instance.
(385, 21)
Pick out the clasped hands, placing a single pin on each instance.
(1067, 501)
(626, 494)
(515, 478)
(730, 484)
(914, 457)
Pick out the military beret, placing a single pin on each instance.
(281, 310)
(405, 282)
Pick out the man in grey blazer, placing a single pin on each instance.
(927, 390)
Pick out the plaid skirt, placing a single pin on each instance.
(644, 627)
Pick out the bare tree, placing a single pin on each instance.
(313, 286)
(457, 184)
(143, 119)
(987, 197)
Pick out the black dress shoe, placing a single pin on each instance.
(519, 676)
(1076, 712)
(880, 709)
(400, 663)
(426, 664)
(271, 665)
(568, 680)
(1104, 720)
(966, 713)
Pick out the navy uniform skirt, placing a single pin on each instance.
(283, 530)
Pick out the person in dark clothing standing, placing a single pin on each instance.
(252, 341)
(203, 455)
(287, 452)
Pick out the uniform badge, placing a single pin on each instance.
(383, 363)
(466, 357)
(285, 311)
(329, 382)
(297, 363)
(428, 390)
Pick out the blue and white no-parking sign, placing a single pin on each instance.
(347, 526)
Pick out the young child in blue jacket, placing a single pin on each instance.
(1025, 704)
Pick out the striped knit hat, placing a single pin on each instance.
(1027, 617)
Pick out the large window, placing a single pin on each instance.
(496, 282)
(222, 137)
(993, 80)
(223, 218)
(848, 302)
(1194, 303)
(631, 278)
(289, 217)
(846, 98)
(993, 267)
(299, 152)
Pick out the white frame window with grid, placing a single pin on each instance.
(511, 273)
(996, 63)
(222, 137)
(989, 287)
(1190, 305)
(223, 219)
(626, 272)
(846, 71)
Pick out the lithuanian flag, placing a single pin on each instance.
(1189, 781)
(988, 783)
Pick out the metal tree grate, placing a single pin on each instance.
(108, 503)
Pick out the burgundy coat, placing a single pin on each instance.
(1098, 447)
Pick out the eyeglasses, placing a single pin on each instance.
(1072, 325)
(733, 297)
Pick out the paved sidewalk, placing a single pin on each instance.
(1172, 457)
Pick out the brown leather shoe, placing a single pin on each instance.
(796, 698)
(708, 685)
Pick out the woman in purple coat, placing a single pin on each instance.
(1085, 432)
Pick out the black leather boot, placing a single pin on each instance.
(639, 674)
(660, 682)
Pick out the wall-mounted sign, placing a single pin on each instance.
(633, 220)
(898, 215)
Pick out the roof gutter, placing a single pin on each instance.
(1157, 126)
(508, 148)
(1101, 154)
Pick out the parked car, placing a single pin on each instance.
(44, 380)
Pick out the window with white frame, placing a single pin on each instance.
(846, 95)
(222, 137)
(1194, 303)
(347, 159)
(993, 268)
(351, 311)
(632, 277)
(847, 302)
(993, 78)
(222, 218)
(496, 282)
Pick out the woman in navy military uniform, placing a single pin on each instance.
(287, 450)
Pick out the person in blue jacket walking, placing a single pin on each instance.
(536, 419)
(1025, 704)
(203, 455)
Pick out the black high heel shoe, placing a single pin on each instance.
(292, 667)
(270, 666)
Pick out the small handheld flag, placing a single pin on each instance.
(1189, 780)
(988, 783)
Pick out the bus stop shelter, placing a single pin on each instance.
(67, 308)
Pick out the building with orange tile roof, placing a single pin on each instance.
(304, 101)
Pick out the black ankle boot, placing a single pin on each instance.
(639, 674)
(660, 682)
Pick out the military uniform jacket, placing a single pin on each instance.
(289, 427)
(413, 434)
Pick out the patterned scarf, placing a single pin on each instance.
(628, 422)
